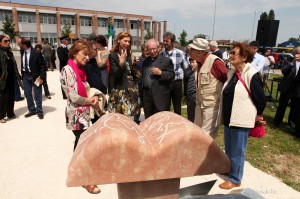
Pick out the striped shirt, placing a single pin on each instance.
(179, 62)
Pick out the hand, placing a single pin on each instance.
(122, 57)
(260, 120)
(95, 102)
(39, 80)
(156, 71)
(136, 60)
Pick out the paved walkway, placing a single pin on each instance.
(34, 157)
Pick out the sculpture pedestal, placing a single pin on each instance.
(155, 189)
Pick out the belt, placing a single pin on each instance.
(27, 73)
(177, 80)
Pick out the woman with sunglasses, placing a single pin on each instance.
(8, 71)
(241, 106)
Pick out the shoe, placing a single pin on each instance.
(41, 116)
(3, 121)
(20, 99)
(30, 114)
(228, 185)
(93, 189)
(49, 97)
(13, 117)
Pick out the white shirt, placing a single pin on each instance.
(268, 61)
(225, 55)
(297, 67)
(258, 62)
(23, 59)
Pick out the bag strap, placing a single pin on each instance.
(240, 78)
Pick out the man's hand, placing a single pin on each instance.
(156, 71)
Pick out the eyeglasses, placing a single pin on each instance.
(6, 41)
(233, 53)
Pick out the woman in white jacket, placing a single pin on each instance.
(239, 110)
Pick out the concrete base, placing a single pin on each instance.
(156, 189)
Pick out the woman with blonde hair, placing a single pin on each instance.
(74, 83)
(123, 77)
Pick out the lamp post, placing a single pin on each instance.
(253, 26)
(214, 20)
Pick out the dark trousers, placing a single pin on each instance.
(17, 89)
(283, 103)
(7, 101)
(176, 95)
(45, 86)
(77, 134)
(295, 109)
(28, 82)
(148, 103)
(191, 105)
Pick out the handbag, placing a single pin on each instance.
(259, 130)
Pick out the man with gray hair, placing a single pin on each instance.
(210, 76)
(213, 46)
(157, 75)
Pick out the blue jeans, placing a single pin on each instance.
(235, 140)
(28, 82)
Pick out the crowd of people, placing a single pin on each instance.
(95, 80)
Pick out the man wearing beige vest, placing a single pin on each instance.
(210, 76)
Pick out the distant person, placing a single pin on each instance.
(38, 47)
(191, 89)
(211, 74)
(33, 74)
(240, 110)
(157, 75)
(53, 56)
(73, 81)
(18, 83)
(47, 54)
(269, 61)
(8, 73)
(258, 60)
(225, 57)
(286, 89)
(295, 105)
(180, 64)
(213, 46)
(63, 55)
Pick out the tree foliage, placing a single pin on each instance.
(9, 27)
(183, 38)
(270, 16)
(66, 30)
(149, 35)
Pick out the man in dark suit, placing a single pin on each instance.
(286, 87)
(63, 56)
(33, 70)
(157, 75)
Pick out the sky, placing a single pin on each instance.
(234, 19)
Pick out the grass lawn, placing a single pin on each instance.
(278, 152)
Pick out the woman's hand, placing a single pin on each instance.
(260, 120)
(122, 57)
(95, 102)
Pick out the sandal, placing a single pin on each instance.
(93, 189)
(3, 121)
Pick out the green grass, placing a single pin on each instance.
(278, 152)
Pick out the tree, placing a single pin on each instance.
(66, 30)
(182, 38)
(149, 35)
(9, 27)
(271, 15)
(264, 16)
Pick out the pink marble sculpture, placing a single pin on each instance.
(165, 146)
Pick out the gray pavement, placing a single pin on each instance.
(35, 154)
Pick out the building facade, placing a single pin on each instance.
(44, 22)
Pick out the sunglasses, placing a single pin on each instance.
(6, 41)
(233, 53)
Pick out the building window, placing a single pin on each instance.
(102, 22)
(85, 21)
(47, 18)
(118, 24)
(4, 13)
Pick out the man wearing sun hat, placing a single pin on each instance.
(210, 76)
